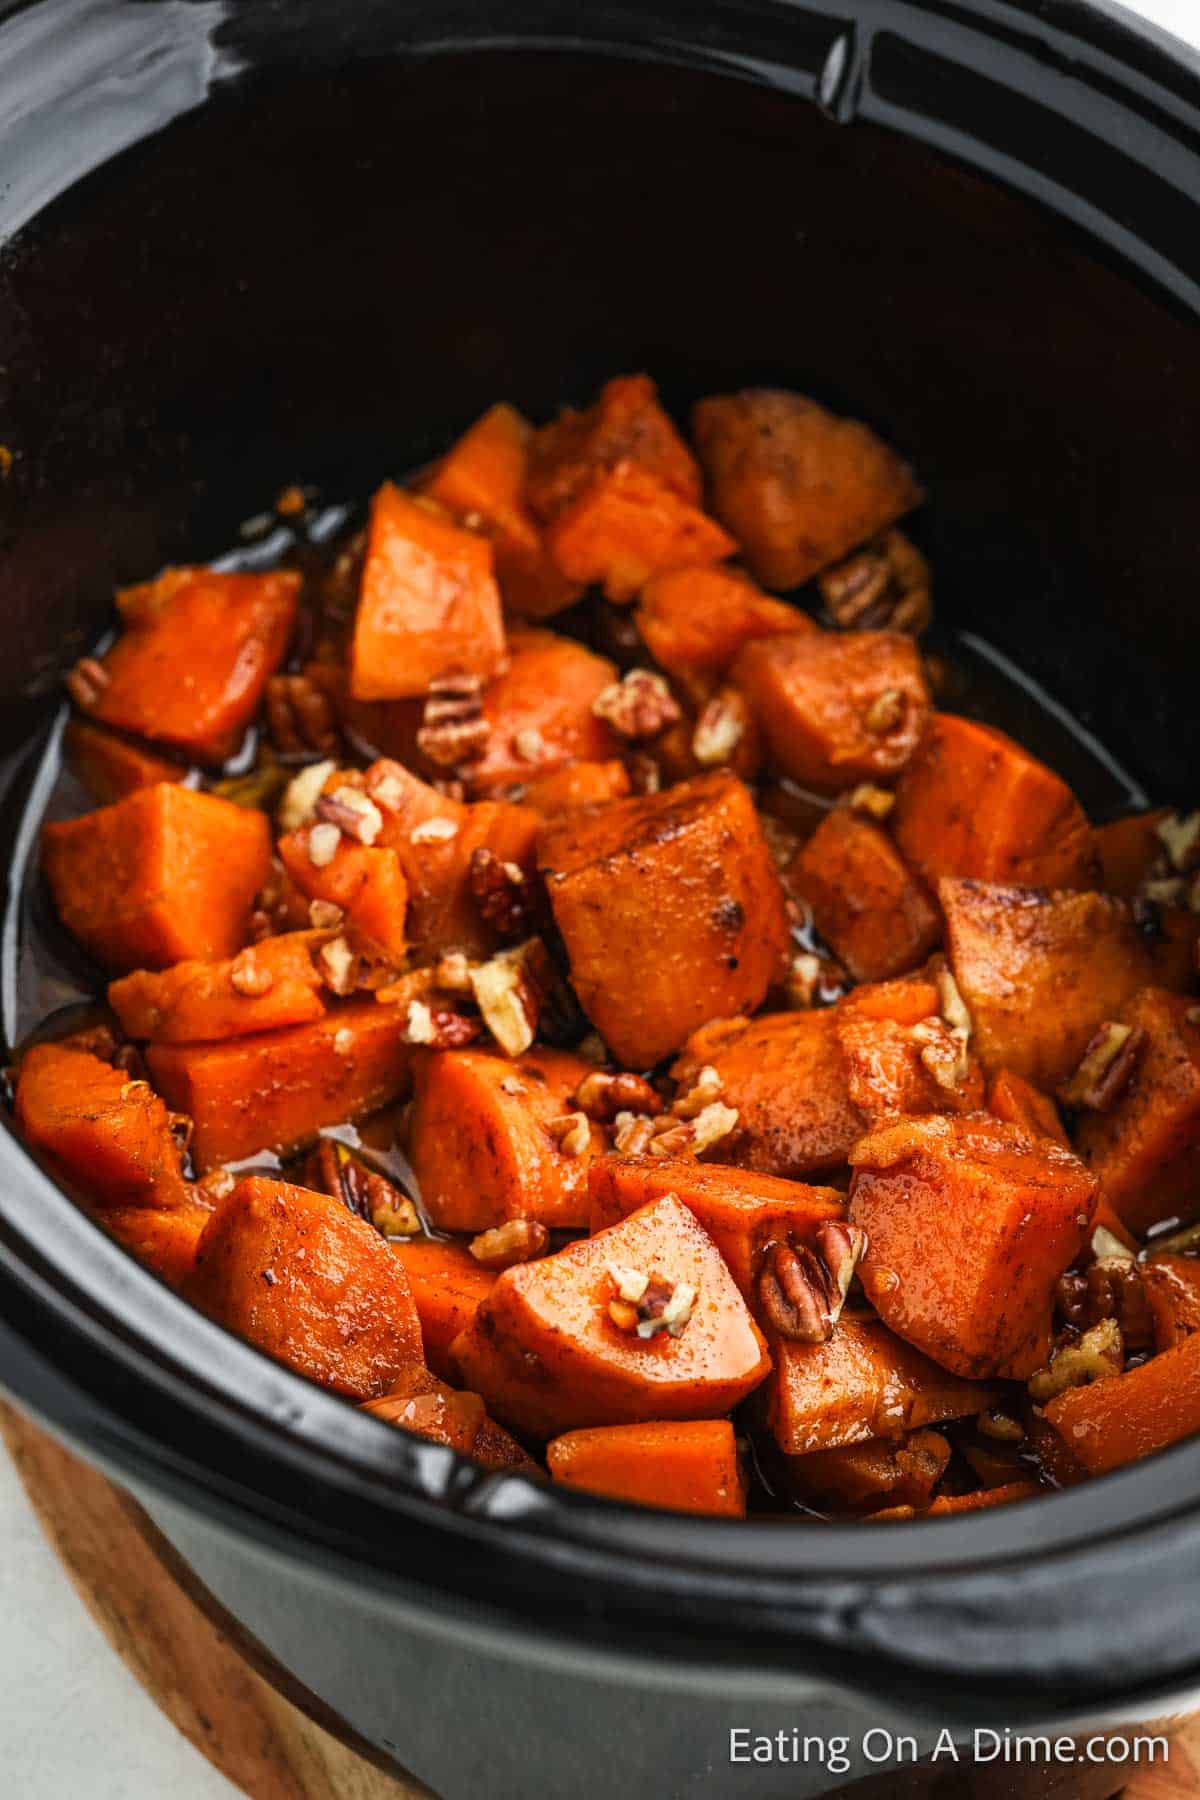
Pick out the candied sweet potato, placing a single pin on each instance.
(548, 1357)
(970, 1223)
(275, 1090)
(111, 766)
(575, 785)
(863, 1476)
(163, 1238)
(111, 1134)
(300, 1277)
(836, 707)
(742, 1211)
(428, 603)
(1126, 850)
(875, 915)
(1018, 1102)
(198, 648)
(965, 1503)
(365, 880)
(1125, 1417)
(862, 1383)
(447, 1285)
(418, 1401)
(626, 525)
(694, 621)
(1172, 1288)
(626, 424)
(162, 875)
(1146, 1147)
(685, 1465)
(267, 985)
(538, 711)
(974, 803)
(797, 486)
(671, 911)
(480, 1144)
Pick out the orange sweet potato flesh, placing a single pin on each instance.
(1146, 1147)
(743, 1212)
(1041, 971)
(160, 876)
(111, 766)
(1172, 1288)
(626, 424)
(875, 915)
(694, 621)
(301, 1278)
(275, 1090)
(688, 1465)
(428, 601)
(478, 1141)
(109, 1133)
(482, 480)
(547, 1358)
(192, 1002)
(1018, 1102)
(970, 1224)
(447, 1285)
(1126, 850)
(862, 1476)
(365, 880)
(547, 690)
(625, 526)
(976, 1502)
(797, 486)
(419, 1402)
(862, 1383)
(1129, 1416)
(974, 803)
(198, 648)
(163, 1238)
(578, 784)
(671, 911)
(836, 708)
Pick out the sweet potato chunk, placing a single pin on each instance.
(163, 875)
(274, 1091)
(163, 1238)
(110, 766)
(1127, 850)
(109, 1133)
(547, 1356)
(876, 916)
(1172, 1289)
(862, 1383)
(974, 803)
(798, 487)
(671, 911)
(418, 1401)
(836, 708)
(861, 1477)
(1132, 1415)
(447, 1285)
(579, 784)
(365, 880)
(694, 621)
(482, 480)
(626, 424)
(626, 525)
(742, 1212)
(267, 985)
(479, 1144)
(1015, 1100)
(428, 602)
(970, 1224)
(689, 1465)
(964, 1503)
(300, 1277)
(539, 711)
(1041, 971)
(198, 648)
(1146, 1147)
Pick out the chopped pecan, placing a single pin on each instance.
(354, 813)
(508, 993)
(795, 1292)
(1098, 1354)
(602, 1096)
(323, 915)
(572, 1133)
(454, 730)
(649, 1303)
(692, 1137)
(841, 1247)
(530, 745)
(720, 728)
(438, 1026)
(299, 715)
(993, 1422)
(218, 1184)
(943, 1052)
(334, 1170)
(502, 891)
(86, 682)
(645, 773)
(705, 1089)
(886, 712)
(1179, 834)
(884, 586)
(299, 803)
(433, 831)
(813, 980)
(632, 1133)
(1106, 1068)
(339, 966)
(640, 706)
(1115, 1291)
(517, 1241)
(247, 975)
(870, 801)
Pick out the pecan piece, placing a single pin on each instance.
(885, 586)
(572, 1133)
(802, 1291)
(354, 813)
(453, 730)
(516, 1241)
(1106, 1068)
(720, 728)
(332, 1169)
(502, 891)
(602, 1096)
(692, 1137)
(299, 715)
(247, 975)
(646, 1304)
(1098, 1354)
(439, 1027)
(640, 706)
(86, 682)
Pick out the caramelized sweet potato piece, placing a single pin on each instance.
(163, 1238)
(798, 487)
(974, 803)
(1011, 1098)
(875, 915)
(447, 1285)
(1041, 971)
(1172, 1289)
(300, 1277)
(742, 1212)
(861, 1476)
(970, 1224)
(482, 479)
(163, 875)
(109, 1133)
(671, 911)
(417, 1401)
(1129, 1416)
(688, 1465)
(626, 525)
(626, 424)
(274, 1091)
(694, 621)
(428, 602)
(862, 1383)
(548, 1357)
(836, 707)
(267, 985)
(110, 766)
(578, 784)
(539, 711)
(198, 648)
(480, 1141)
(1126, 851)
(965, 1503)
(365, 880)
(1146, 1147)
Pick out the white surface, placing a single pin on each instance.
(74, 1724)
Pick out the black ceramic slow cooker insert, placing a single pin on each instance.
(247, 243)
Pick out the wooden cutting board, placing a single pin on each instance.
(246, 1714)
